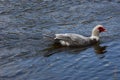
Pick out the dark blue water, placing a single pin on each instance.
(27, 28)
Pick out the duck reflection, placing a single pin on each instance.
(100, 50)
(56, 48)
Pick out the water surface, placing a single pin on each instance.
(27, 28)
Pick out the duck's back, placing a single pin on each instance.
(70, 39)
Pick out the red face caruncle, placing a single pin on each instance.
(101, 29)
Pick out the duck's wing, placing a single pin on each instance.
(63, 39)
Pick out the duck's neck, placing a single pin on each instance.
(95, 35)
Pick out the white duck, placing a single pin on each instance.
(71, 39)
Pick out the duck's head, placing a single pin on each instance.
(99, 28)
(96, 30)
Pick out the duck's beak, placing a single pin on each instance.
(104, 30)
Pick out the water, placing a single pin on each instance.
(26, 51)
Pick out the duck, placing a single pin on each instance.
(73, 39)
